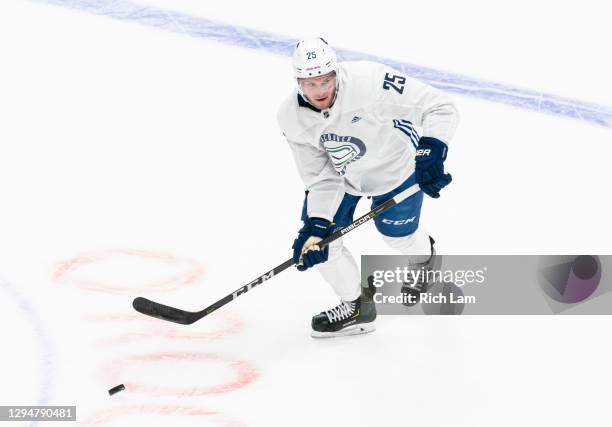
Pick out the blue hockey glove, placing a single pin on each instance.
(306, 252)
(429, 173)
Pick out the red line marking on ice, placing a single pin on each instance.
(245, 373)
(64, 271)
(103, 416)
(154, 328)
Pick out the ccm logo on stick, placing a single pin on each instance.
(254, 283)
(399, 222)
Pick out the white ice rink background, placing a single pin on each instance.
(141, 157)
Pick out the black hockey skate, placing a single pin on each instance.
(347, 318)
(413, 289)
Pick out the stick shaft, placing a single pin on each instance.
(154, 309)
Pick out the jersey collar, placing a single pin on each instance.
(303, 103)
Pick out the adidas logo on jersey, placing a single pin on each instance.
(355, 119)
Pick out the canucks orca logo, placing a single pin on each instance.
(342, 150)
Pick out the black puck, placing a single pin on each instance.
(116, 389)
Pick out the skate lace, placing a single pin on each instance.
(341, 311)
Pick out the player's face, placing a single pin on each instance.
(319, 90)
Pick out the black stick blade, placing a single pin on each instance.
(164, 312)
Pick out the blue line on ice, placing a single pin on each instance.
(258, 40)
(46, 355)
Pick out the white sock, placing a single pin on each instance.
(341, 272)
(416, 244)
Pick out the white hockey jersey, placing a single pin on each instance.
(365, 143)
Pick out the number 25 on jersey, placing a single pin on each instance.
(395, 82)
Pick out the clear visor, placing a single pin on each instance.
(319, 83)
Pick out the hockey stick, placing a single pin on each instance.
(171, 314)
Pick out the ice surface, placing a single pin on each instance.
(138, 161)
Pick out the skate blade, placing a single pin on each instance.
(362, 328)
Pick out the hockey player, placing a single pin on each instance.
(352, 129)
